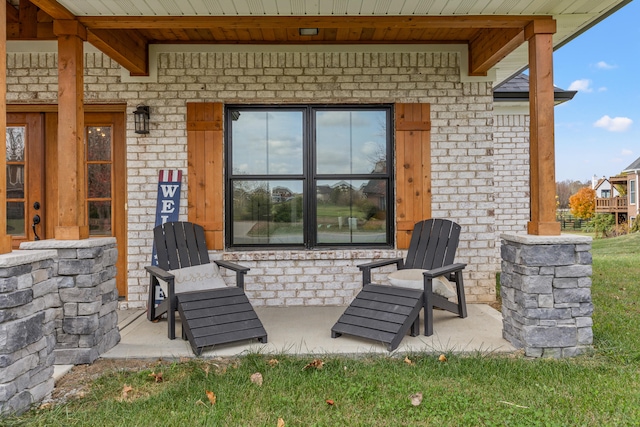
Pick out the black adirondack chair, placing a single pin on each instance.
(210, 316)
(386, 313)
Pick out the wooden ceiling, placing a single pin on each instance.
(126, 38)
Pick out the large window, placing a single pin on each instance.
(632, 192)
(309, 176)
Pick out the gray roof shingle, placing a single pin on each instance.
(517, 89)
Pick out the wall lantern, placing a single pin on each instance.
(141, 117)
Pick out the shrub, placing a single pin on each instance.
(602, 224)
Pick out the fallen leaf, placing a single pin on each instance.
(257, 379)
(211, 396)
(157, 377)
(416, 399)
(408, 361)
(280, 422)
(273, 362)
(330, 402)
(442, 358)
(125, 391)
(200, 402)
(46, 406)
(317, 363)
(206, 369)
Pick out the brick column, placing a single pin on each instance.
(546, 294)
(29, 306)
(86, 274)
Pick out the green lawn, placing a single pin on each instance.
(600, 389)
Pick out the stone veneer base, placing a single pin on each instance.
(546, 294)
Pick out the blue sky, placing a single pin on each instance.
(598, 132)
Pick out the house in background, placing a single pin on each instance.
(245, 96)
(622, 201)
(603, 188)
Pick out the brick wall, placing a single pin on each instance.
(511, 170)
(462, 147)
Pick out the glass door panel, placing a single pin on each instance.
(99, 179)
(24, 173)
(15, 157)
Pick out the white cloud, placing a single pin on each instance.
(604, 66)
(626, 152)
(615, 124)
(602, 89)
(582, 85)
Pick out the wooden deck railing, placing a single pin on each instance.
(611, 204)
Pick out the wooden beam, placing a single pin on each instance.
(28, 20)
(260, 22)
(54, 9)
(542, 151)
(12, 14)
(71, 173)
(127, 48)
(491, 46)
(5, 240)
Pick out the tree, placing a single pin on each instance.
(564, 190)
(583, 203)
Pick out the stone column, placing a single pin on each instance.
(29, 306)
(545, 286)
(86, 274)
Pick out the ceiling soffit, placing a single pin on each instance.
(126, 38)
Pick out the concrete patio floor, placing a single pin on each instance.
(307, 330)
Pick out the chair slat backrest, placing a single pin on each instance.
(433, 244)
(180, 244)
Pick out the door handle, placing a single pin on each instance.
(36, 220)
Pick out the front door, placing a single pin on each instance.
(25, 177)
(32, 184)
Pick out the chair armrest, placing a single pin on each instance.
(366, 268)
(159, 273)
(381, 263)
(447, 269)
(239, 269)
(231, 266)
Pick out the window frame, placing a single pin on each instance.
(309, 175)
(632, 191)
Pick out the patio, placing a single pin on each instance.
(306, 330)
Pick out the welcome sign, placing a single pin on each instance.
(167, 207)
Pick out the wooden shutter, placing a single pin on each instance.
(205, 144)
(413, 168)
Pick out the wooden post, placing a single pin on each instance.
(72, 221)
(5, 240)
(542, 156)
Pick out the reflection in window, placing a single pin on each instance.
(99, 179)
(15, 180)
(99, 176)
(99, 143)
(15, 219)
(15, 143)
(267, 143)
(352, 211)
(309, 176)
(267, 212)
(351, 142)
(100, 218)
